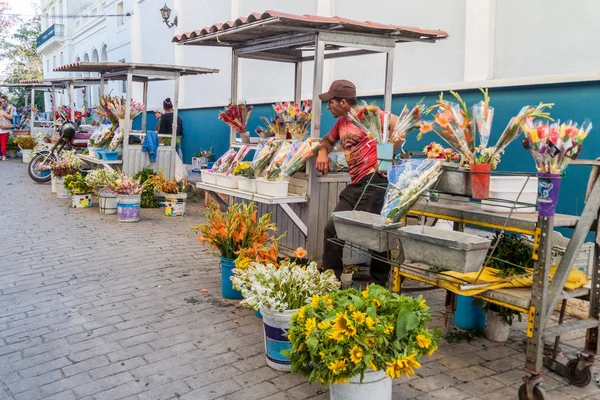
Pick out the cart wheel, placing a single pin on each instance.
(578, 377)
(538, 393)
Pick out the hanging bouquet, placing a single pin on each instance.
(101, 178)
(298, 160)
(69, 164)
(236, 116)
(77, 184)
(295, 117)
(222, 164)
(105, 111)
(244, 169)
(164, 185)
(229, 232)
(125, 185)
(342, 335)
(263, 157)
(554, 145)
(407, 180)
(436, 151)
(287, 287)
(456, 124)
(275, 127)
(367, 120)
(117, 106)
(407, 121)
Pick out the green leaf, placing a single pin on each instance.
(312, 343)
(401, 323)
(412, 322)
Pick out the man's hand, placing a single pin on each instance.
(323, 161)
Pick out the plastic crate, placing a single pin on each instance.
(584, 260)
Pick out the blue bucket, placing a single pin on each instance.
(468, 315)
(110, 155)
(100, 153)
(385, 154)
(227, 290)
(276, 326)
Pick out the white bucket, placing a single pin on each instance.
(272, 189)
(375, 385)
(247, 184)
(208, 177)
(275, 325)
(81, 200)
(92, 152)
(61, 192)
(497, 330)
(53, 183)
(26, 155)
(128, 208)
(227, 181)
(108, 203)
(508, 188)
(175, 204)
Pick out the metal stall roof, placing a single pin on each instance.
(118, 70)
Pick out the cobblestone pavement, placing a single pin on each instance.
(94, 309)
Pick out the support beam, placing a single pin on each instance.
(235, 64)
(280, 56)
(282, 42)
(145, 112)
(298, 83)
(174, 132)
(590, 213)
(295, 218)
(126, 156)
(379, 44)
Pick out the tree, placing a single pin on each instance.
(23, 61)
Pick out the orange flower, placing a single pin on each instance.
(425, 127)
(442, 120)
(300, 253)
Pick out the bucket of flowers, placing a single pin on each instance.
(236, 116)
(357, 342)
(128, 191)
(279, 291)
(99, 180)
(201, 159)
(174, 192)
(69, 164)
(26, 143)
(231, 231)
(80, 190)
(246, 177)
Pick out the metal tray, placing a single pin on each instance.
(454, 180)
(452, 250)
(366, 230)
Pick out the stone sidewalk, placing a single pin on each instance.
(94, 309)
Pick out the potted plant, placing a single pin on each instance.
(174, 192)
(357, 342)
(499, 321)
(11, 147)
(279, 291)
(128, 192)
(81, 192)
(229, 232)
(201, 159)
(347, 274)
(149, 198)
(98, 180)
(245, 176)
(26, 143)
(69, 164)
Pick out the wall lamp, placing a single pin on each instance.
(166, 14)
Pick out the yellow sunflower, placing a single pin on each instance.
(370, 323)
(324, 325)
(314, 302)
(337, 366)
(373, 366)
(301, 316)
(422, 303)
(309, 326)
(365, 292)
(336, 335)
(344, 325)
(423, 341)
(388, 329)
(356, 354)
(370, 341)
(359, 317)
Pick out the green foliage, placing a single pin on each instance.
(11, 145)
(512, 255)
(148, 198)
(76, 184)
(459, 336)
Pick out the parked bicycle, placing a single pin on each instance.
(45, 156)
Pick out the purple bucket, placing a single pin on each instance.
(548, 190)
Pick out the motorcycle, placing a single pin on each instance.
(45, 156)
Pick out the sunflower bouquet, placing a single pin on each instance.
(238, 228)
(288, 286)
(345, 333)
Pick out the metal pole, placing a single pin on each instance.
(71, 103)
(145, 112)
(234, 88)
(32, 107)
(389, 75)
(539, 291)
(591, 338)
(102, 85)
(127, 121)
(298, 83)
(53, 104)
(174, 132)
(315, 132)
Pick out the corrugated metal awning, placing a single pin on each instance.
(272, 24)
(145, 69)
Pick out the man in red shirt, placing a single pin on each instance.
(361, 155)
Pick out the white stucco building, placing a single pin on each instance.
(504, 41)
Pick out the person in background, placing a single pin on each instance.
(5, 123)
(361, 156)
(158, 116)
(166, 124)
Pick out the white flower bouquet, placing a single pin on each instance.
(282, 288)
(407, 180)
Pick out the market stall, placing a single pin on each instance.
(295, 39)
(133, 158)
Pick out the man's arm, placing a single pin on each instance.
(327, 144)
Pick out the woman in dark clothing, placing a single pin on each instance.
(166, 124)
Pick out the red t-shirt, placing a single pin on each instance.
(360, 151)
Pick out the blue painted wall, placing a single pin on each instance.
(576, 101)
